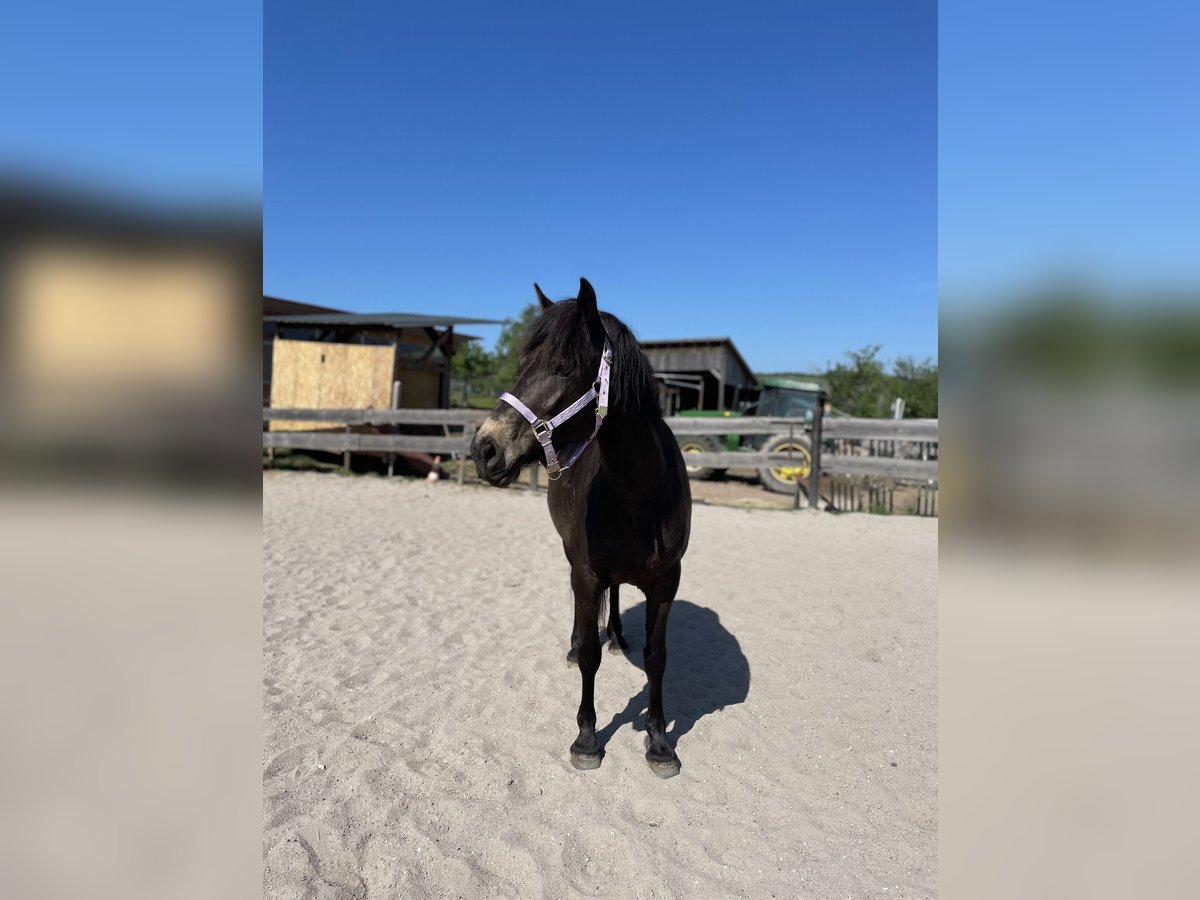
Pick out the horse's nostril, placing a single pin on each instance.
(487, 450)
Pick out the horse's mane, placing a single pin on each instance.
(631, 388)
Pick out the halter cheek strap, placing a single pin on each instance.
(543, 429)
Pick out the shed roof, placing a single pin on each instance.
(724, 342)
(378, 320)
(280, 306)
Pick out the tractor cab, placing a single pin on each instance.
(786, 397)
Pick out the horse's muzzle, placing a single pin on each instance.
(491, 462)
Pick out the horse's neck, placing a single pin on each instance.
(628, 450)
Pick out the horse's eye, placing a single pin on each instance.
(562, 370)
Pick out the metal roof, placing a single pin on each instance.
(381, 320)
(670, 341)
(815, 387)
(279, 306)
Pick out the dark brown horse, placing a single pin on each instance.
(585, 405)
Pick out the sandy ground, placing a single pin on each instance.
(418, 706)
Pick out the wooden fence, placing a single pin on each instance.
(457, 427)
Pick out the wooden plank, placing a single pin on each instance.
(882, 466)
(832, 464)
(883, 429)
(460, 417)
(915, 430)
(733, 425)
(338, 442)
(741, 460)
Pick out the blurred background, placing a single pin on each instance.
(1069, 288)
(1069, 306)
(130, 267)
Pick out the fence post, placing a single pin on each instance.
(814, 475)
(468, 431)
(533, 478)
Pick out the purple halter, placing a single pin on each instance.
(543, 429)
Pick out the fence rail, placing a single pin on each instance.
(464, 422)
(452, 417)
(915, 430)
(356, 442)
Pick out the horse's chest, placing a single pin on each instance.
(610, 540)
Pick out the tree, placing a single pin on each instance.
(511, 342)
(481, 375)
(917, 383)
(474, 368)
(860, 386)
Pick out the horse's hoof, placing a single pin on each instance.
(661, 765)
(573, 657)
(585, 761)
(664, 768)
(616, 649)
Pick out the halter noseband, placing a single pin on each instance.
(543, 429)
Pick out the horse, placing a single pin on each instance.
(618, 496)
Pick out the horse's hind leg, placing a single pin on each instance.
(616, 638)
(586, 751)
(659, 597)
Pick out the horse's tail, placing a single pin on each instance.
(607, 607)
(602, 608)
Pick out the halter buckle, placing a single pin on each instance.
(542, 431)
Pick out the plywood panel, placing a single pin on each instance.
(313, 375)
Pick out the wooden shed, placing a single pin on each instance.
(701, 373)
(321, 358)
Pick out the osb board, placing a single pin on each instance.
(314, 375)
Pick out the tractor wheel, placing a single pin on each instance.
(699, 443)
(782, 479)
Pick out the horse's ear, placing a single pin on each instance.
(587, 303)
(545, 301)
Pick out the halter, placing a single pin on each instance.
(543, 429)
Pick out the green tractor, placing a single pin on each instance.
(777, 397)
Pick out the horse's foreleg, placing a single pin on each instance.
(573, 652)
(616, 638)
(586, 751)
(659, 752)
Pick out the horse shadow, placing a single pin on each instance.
(706, 669)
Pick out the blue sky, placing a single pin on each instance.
(762, 172)
(1069, 140)
(766, 172)
(135, 97)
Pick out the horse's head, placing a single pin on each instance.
(558, 365)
